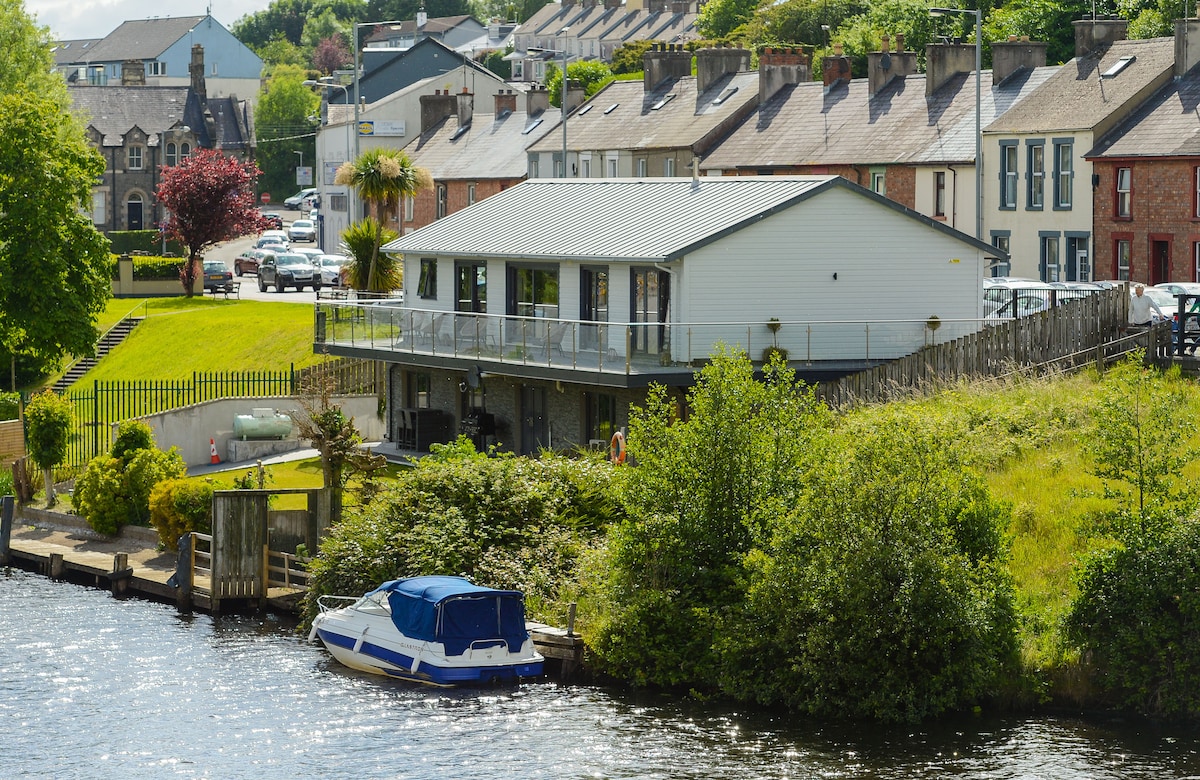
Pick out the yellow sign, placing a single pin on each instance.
(366, 128)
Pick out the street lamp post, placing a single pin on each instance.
(563, 98)
(978, 103)
(299, 168)
(321, 214)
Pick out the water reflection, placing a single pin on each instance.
(93, 686)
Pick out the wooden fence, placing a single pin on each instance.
(12, 442)
(1069, 334)
(98, 408)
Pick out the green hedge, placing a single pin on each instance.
(10, 406)
(129, 241)
(150, 268)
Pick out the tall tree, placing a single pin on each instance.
(55, 268)
(209, 198)
(283, 129)
(382, 177)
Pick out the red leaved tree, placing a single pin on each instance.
(330, 54)
(209, 198)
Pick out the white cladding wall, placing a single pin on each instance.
(893, 273)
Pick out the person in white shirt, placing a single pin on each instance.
(1140, 306)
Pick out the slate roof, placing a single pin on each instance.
(143, 39)
(633, 122)
(1077, 98)
(73, 51)
(113, 111)
(802, 125)
(623, 220)
(490, 147)
(1167, 125)
(439, 24)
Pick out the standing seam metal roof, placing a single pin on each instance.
(632, 220)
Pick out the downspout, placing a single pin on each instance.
(954, 202)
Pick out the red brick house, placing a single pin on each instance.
(1146, 184)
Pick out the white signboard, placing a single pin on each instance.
(379, 127)
(304, 176)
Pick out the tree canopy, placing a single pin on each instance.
(55, 268)
(209, 198)
(282, 126)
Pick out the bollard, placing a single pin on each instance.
(183, 574)
(121, 574)
(571, 619)
(6, 520)
(57, 566)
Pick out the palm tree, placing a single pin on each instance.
(381, 177)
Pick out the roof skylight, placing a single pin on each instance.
(1117, 67)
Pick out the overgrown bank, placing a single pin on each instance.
(893, 563)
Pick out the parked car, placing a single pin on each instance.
(247, 262)
(998, 295)
(333, 268)
(1020, 305)
(271, 243)
(274, 218)
(311, 252)
(285, 270)
(216, 276)
(302, 230)
(296, 200)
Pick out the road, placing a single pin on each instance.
(229, 250)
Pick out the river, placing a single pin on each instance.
(92, 686)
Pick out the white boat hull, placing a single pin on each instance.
(371, 643)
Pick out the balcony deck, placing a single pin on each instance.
(618, 354)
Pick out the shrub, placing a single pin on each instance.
(48, 419)
(114, 489)
(180, 506)
(1137, 615)
(10, 406)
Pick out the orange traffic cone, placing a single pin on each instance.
(213, 445)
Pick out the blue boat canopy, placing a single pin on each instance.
(455, 612)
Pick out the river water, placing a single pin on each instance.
(92, 686)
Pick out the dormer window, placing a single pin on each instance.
(135, 158)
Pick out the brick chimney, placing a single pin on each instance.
(1093, 34)
(537, 100)
(715, 63)
(506, 100)
(835, 69)
(196, 71)
(1016, 54)
(780, 67)
(466, 107)
(885, 65)
(436, 107)
(133, 73)
(664, 61)
(944, 61)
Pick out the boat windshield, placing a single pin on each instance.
(374, 602)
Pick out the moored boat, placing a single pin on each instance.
(438, 630)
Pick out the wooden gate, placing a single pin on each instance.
(239, 546)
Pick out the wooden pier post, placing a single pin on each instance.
(6, 521)
(183, 574)
(121, 574)
(57, 566)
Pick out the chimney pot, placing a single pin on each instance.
(886, 44)
(899, 42)
(837, 49)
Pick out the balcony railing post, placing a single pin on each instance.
(628, 349)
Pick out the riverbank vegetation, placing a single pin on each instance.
(1012, 544)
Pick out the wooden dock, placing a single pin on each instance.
(63, 547)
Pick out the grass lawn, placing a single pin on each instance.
(290, 474)
(206, 335)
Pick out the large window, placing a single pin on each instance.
(416, 389)
(1064, 172)
(669, 166)
(641, 167)
(533, 291)
(1008, 174)
(1123, 202)
(135, 158)
(172, 154)
(427, 285)
(1036, 175)
(1122, 254)
(471, 287)
(156, 68)
(409, 205)
(939, 193)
